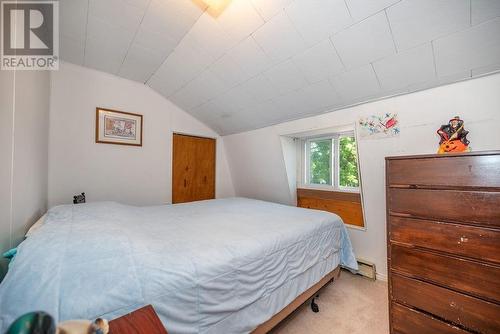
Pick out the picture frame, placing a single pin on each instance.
(118, 127)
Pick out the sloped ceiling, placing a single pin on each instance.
(261, 62)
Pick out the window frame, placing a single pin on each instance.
(305, 174)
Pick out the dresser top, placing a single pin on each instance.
(448, 155)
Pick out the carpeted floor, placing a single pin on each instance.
(351, 305)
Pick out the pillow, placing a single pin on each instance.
(36, 226)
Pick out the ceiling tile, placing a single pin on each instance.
(365, 41)
(266, 111)
(319, 62)
(317, 19)
(208, 35)
(138, 3)
(160, 42)
(286, 77)
(292, 105)
(203, 88)
(140, 63)
(167, 81)
(106, 33)
(483, 10)
(104, 56)
(221, 107)
(486, 69)
(206, 110)
(73, 18)
(240, 19)
(171, 17)
(356, 84)
(414, 22)
(106, 45)
(322, 95)
(163, 83)
(229, 71)
(472, 48)
(189, 58)
(181, 66)
(269, 8)
(210, 114)
(405, 68)
(250, 57)
(262, 114)
(235, 99)
(235, 123)
(361, 9)
(72, 50)
(260, 88)
(279, 39)
(130, 16)
(439, 81)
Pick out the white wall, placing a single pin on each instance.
(259, 170)
(133, 175)
(6, 114)
(24, 126)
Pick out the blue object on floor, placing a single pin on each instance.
(10, 254)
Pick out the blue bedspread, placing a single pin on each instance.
(198, 264)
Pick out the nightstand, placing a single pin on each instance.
(142, 321)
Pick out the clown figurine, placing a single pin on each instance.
(453, 137)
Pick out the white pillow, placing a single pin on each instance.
(36, 226)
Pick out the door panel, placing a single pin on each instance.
(193, 168)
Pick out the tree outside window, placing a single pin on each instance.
(332, 161)
(320, 161)
(348, 164)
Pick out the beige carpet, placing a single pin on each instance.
(351, 305)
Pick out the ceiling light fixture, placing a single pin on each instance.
(213, 7)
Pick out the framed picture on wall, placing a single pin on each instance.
(118, 127)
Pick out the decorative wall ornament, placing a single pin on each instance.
(453, 137)
(376, 126)
(118, 127)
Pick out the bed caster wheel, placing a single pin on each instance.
(314, 306)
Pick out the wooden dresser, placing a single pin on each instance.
(443, 233)
(142, 321)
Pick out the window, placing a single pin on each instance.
(331, 162)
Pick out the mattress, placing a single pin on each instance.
(206, 267)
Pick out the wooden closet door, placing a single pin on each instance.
(193, 168)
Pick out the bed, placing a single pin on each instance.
(217, 266)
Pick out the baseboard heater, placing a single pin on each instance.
(367, 269)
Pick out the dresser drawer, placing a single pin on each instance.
(469, 241)
(408, 321)
(472, 313)
(471, 277)
(461, 171)
(473, 207)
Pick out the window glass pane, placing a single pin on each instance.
(348, 164)
(320, 157)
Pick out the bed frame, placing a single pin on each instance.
(297, 302)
